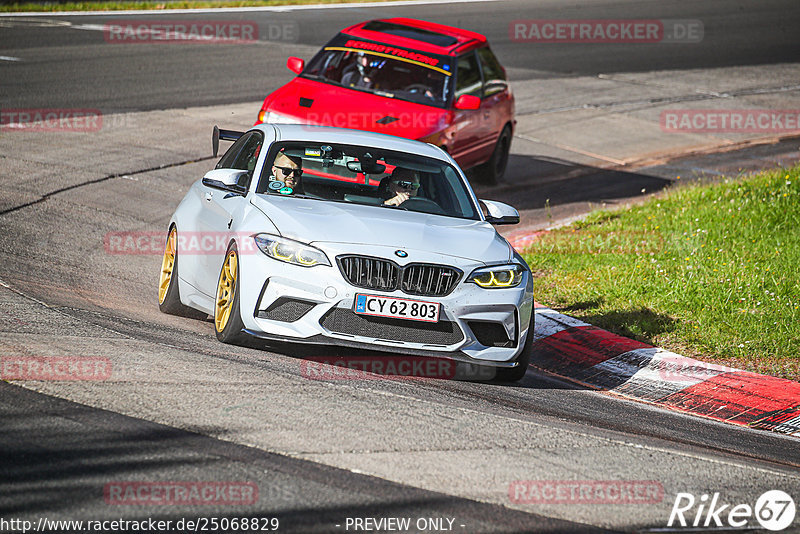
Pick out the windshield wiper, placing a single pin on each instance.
(293, 195)
(395, 207)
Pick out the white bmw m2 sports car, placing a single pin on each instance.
(324, 235)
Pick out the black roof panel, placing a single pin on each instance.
(418, 34)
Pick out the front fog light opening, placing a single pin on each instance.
(491, 334)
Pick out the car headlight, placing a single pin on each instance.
(294, 252)
(497, 277)
(277, 118)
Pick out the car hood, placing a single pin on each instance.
(313, 102)
(315, 221)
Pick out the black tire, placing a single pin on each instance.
(493, 170)
(515, 374)
(233, 326)
(171, 302)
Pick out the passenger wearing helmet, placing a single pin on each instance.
(358, 73)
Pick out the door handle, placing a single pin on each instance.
(209, 196)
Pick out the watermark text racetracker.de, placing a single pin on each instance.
(69, 120)
(195, 524)
(391, 367)
(55, 368)
(588, 242)
(730, 120)
(606, 31)
(188, 243)
(198, 32)
(586, 492)
(676, 368)
(365, 120)
(50, 120)
(182, 493)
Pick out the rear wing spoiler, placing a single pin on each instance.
(225, 135)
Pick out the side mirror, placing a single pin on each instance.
(499, 213)
(468, 102)
(225, 179)
(295, 64)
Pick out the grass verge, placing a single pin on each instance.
(163, 4)
(707, 271)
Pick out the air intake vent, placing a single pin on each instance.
(286, 310)
(490, 334)
(306, 102)
(421, 279)
(429, 280)
(344, 321)
(369, 273)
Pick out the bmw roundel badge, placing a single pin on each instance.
(401, 253)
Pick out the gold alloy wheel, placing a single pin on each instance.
(167, 265)
(226, 288)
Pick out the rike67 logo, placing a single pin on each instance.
(774, 510)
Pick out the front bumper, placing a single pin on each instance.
(289, 303)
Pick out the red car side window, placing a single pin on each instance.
(494, 77)
(468, 76)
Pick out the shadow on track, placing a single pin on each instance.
(538, 183)
(56, 457)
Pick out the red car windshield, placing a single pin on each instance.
(383, 70)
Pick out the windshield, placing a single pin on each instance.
(367, 176)
(383, 70)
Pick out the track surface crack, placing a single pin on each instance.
(47, 196)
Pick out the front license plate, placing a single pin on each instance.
(415, 310)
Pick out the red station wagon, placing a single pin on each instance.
(409, 78)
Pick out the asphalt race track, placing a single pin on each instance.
(75, 67)
(179, 406)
